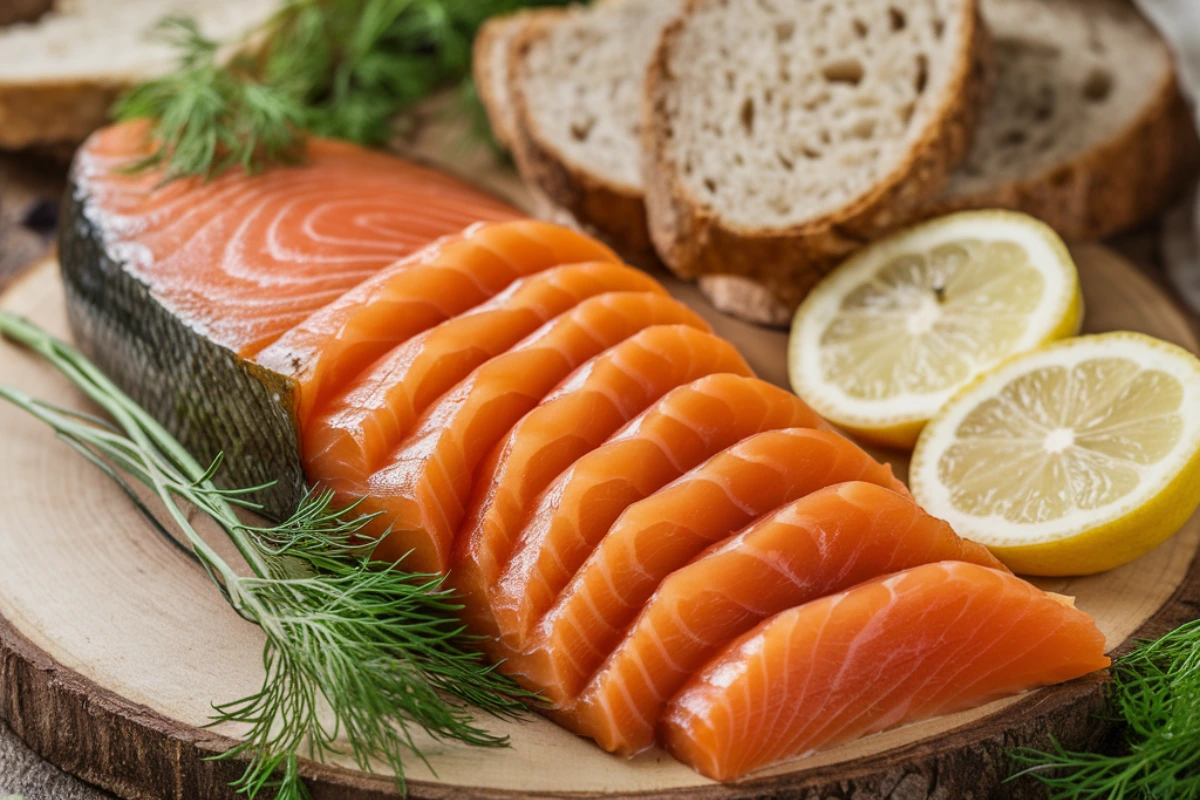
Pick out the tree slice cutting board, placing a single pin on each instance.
(113, 644)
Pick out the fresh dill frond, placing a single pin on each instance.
(337, 68)
(1156, 694)
(211, 116)
(358, 656)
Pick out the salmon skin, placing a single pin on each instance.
(660, 544)
(172, 288)
(820, 544)
(927, 641)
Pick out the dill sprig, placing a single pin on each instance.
(1156, 694)
(338, 68)
(357, 657)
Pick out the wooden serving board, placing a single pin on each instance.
(113, 644)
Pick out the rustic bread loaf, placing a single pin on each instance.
(576, 81)
(779, 137)
(60, 73)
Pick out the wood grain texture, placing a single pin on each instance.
(113, 644)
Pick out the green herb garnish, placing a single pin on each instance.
(1156, 694)
(339, 68)
(377, 649)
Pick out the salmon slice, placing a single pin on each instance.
(424, 489)
(351, 437)
(581, 414)
(682, 429)
(932, 640)
(328, 349)
(244, 258)
(820, 544)
(581, 616)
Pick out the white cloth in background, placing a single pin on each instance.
(1179, 23)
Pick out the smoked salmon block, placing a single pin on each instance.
(928, 641)
(352, 435)
(333, 345)
(820, 544)
(243, 258)
(684, 427)
(424, 489)
(570, 606)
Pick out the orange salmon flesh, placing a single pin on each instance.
(668, 549)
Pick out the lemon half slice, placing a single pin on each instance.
(1072, 459)
(888, 337)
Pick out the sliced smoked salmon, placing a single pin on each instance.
(640, 531)
(585, 411)
(351, 436)
(931, 640)
(425, 487)
(820, 544)
(243, 258)
(683, 428)
(568, 613)
(332, 346)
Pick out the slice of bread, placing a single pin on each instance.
(490, 69)
(576, 82)
(779, 137)
(490, 55)
(60, 73)
(1086, 129)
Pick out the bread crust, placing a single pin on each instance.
(41, 113)
(617, 214)
(1114, 186)
(694, 241)
(745, 299)
(487, 83)
(23, 10)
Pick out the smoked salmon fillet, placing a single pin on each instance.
(353, 434)
(820, 544)
(928, 641)
(333, 345)
(425, 487)
(243, 258)
(687, 425)
(568, 606)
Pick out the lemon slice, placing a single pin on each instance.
(1072, 459)
(889, 336)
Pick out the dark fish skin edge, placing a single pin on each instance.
(211, 400)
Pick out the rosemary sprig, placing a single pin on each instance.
(339, 68)
(379, 648)
(1156, 693)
